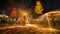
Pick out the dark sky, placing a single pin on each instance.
(51, 4)
(48, 5)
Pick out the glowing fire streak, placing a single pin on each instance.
(42, 29)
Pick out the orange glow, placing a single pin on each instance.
(13, 13)
(38, 8)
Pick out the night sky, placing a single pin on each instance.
(48, 5)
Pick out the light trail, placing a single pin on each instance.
(42, 29)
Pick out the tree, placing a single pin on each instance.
(38, 8)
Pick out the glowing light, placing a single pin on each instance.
(13, 12)
(19, 19)
(29, 25)
(6, 17)
(11, 19)
(51, 29)
(38, 8)
(0, 16)
(14, 19)
(24, 14)
(28, 18)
